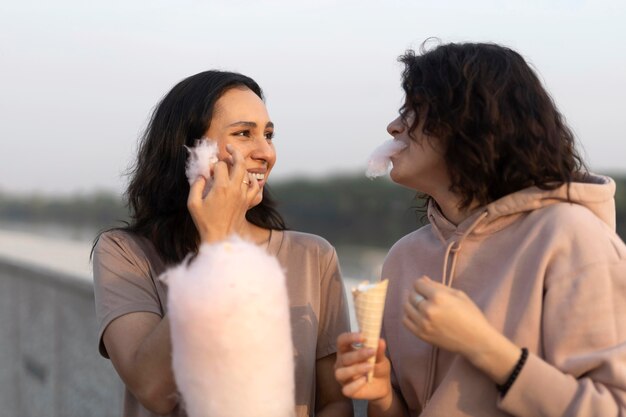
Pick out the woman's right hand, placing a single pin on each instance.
(222, 211)
(351, 369)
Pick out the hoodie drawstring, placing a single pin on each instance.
(453, 248)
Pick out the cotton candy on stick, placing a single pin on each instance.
(380, 161)
(232, 352)
(200, 162)
(369, 303)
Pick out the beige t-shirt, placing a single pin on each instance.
(126, 270)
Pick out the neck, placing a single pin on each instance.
(255, 233)
(449, 203)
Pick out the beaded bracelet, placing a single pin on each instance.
(504, 388)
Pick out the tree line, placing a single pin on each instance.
(346, 210)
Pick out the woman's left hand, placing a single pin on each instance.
(445, 317)
(222, 211)
(449, 319)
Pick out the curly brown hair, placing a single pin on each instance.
(500, 128)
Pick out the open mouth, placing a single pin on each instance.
(257, 176)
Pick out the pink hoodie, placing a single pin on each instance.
(550, 275)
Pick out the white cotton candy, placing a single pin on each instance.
(379, 160)
(200, 162)
(232, 351)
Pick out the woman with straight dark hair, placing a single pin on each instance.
(170, 219)
(512, 301)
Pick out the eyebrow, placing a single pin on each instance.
(250, 124)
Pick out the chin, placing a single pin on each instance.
(400, 180)
(257, 200)
(393, 174)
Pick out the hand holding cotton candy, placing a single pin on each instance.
(232, 352)
(379, 160)
(200, 162)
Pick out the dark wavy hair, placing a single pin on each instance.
(158, 188)
(500, 129)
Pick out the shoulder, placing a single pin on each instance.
(293, 240)
(304, 250)
(568, 214)
(420, 237)
(573, 227)
(574, 242)
(416, 249)
(116, 239)
(120, 246)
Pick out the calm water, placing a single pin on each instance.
(48, 247)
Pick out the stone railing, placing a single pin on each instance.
(49, 362)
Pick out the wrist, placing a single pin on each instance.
(496, 357)
(213, 232)
(209, 236)
(504, 388)
(384, 402)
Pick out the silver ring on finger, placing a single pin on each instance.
(246, 182)
(416, 299)
(357, 345)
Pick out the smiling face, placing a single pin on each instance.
(421, 165)
(240, 118)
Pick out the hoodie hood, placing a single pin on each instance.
(595, 192)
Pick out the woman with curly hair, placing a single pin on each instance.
(512, 301)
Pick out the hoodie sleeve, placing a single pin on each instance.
(583, 372)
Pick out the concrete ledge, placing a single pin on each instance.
(46, 276)
(49, 362)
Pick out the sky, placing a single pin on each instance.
(78, 80)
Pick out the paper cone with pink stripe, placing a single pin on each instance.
(369, 303)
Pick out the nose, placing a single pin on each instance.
(395, 127)
(264, 151)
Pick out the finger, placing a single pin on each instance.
(412, 327)
(427, 287)
(238, 171)
(248, 179)
(247, 183)
(228, 157)
(346, 374)
(353, 387)
(412, 312)
(220, 173)
(253, 188)
(381, 352)
(356, 356)
(346, 340)
(194, 199)
(415, 299)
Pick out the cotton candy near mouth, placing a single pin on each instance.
(379, 160)
(232, 352)
(200, 162)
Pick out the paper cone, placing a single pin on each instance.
(369, 303)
